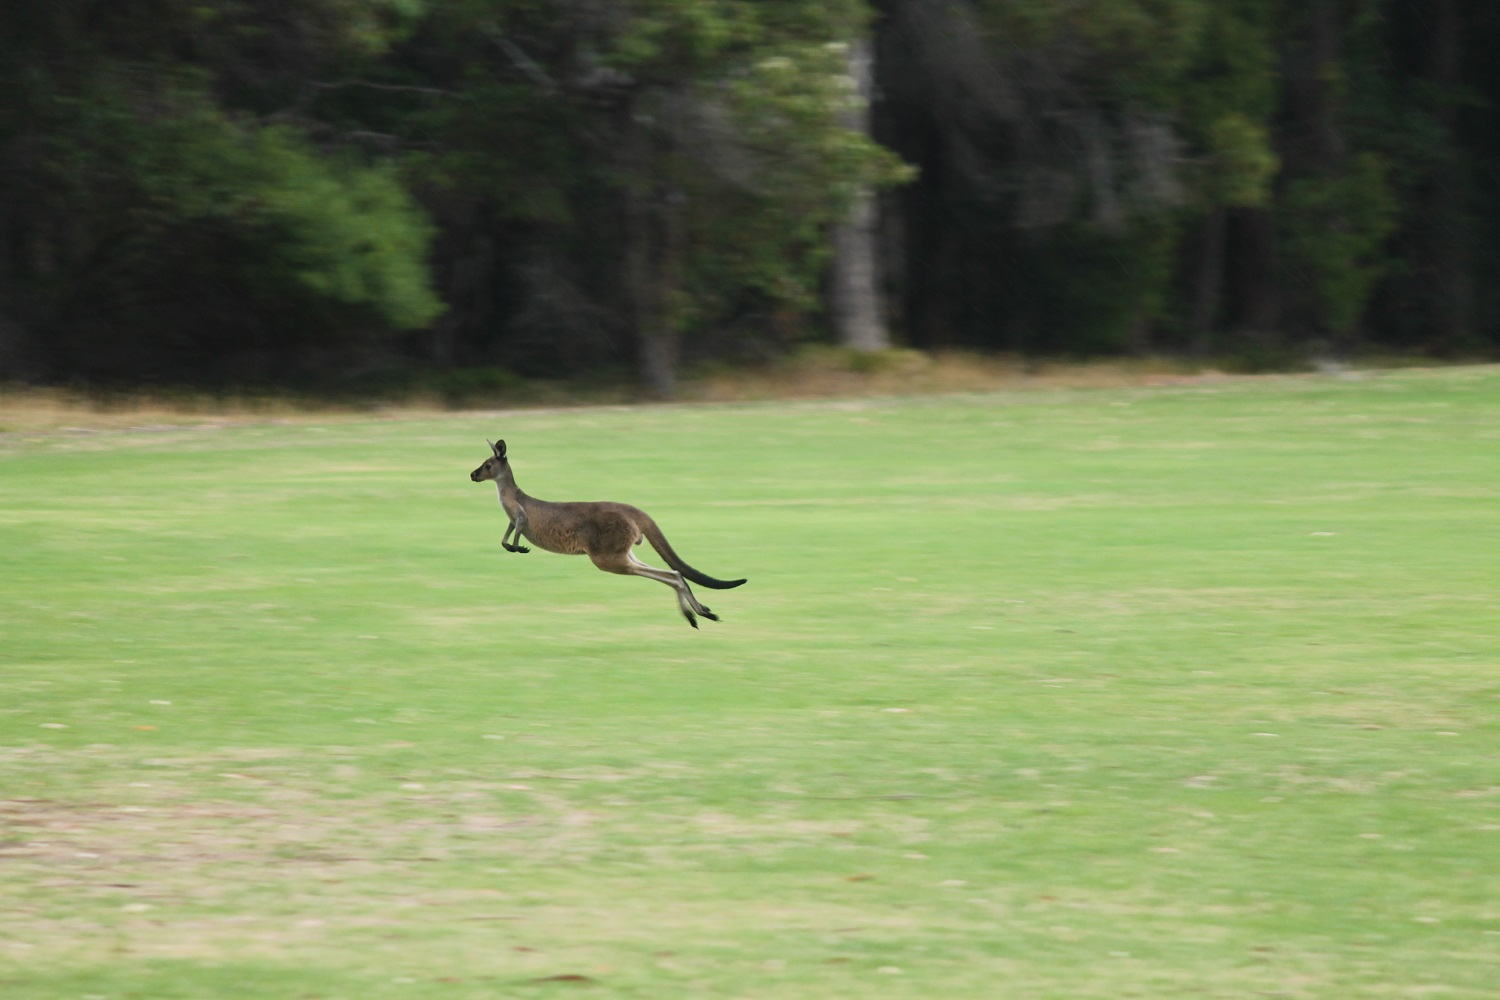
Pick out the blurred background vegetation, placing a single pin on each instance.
(361, 192)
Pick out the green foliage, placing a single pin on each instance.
(184, 180)
(1229, 93)
(1335, 228)
(675, 37)
(347, 232)
(1234, 70)
(1090, 292)
(724, 119)
(1241, 164)
(798, 170)
(164, 230)
(1134, 52)
(1145, 45)
(335, 229)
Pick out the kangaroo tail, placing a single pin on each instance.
(664, 549)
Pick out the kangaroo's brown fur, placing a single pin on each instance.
(602, 530)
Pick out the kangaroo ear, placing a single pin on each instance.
(499, 448)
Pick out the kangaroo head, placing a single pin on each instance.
(493, 466)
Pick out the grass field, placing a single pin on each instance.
(1177, 691)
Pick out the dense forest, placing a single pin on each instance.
(243, 191)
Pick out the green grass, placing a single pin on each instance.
(1187, 691)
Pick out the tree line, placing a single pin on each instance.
(261, 190)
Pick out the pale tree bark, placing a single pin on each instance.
(651, 269)
(857, 303)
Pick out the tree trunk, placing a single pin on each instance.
(857, 303)
(649, 274)
(1208, 282)
(1447, 232)
(652, 252)
(1258, 325)
(18, 361)
(1314, 138)
(1313, 148)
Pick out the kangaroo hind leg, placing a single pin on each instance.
(626, 564)
(686, 599)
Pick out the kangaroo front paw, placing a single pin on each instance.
(521, 548)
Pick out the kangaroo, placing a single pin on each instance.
(601, 530)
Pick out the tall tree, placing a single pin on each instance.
(1443, 237)
(157, 230)
(692, 164)
(857, 298)
(736, 104)
(547, 187)
(1231, 93)
(1048, 159)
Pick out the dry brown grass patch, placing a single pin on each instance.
(832, 372)
(819, 373)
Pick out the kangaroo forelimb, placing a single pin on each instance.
(505, 542)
